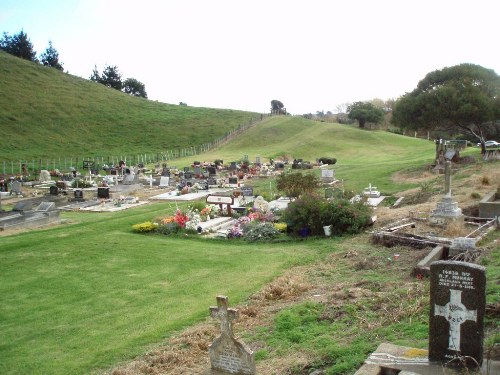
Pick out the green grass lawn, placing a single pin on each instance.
(90, 294)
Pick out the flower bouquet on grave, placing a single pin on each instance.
(181, 218)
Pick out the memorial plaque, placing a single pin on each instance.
(233, 180)
(327, 173)
(219, 199)
(247, 191)
(457, 305)
(212, 181)
(164, 181)
(103, 192)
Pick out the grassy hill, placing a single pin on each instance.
(47, 113)
(363, 156)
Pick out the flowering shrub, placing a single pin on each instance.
(280, 227)
(145, 227)
(235, 231)
(259, 232)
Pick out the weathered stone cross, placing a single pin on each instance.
(226, 315)
(456, 314)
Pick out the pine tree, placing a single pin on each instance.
(51, 57)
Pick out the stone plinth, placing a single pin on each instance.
(446, 210)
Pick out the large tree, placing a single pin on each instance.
(111, 77)
(364, 112)
(277, 107)
(18, 45)
(462, 99)
(133, 87)
(51, 57)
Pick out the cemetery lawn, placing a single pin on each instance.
(90, 293)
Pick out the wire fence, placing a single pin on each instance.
(24, 167)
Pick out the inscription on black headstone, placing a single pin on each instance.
(457, 305)
(246, 191)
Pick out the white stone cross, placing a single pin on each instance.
(456, 314)
(226, 315)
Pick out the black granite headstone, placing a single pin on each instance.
(78, 194)
(212, 171)
(53, 190)
(212, 181)
(103, 192)
(457, 305)
(233, 180)
(246, 191)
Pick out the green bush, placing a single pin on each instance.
(326, 160)
(305, 212)
(345, 217)
(145, 227)
(168, 228)
(313, 212)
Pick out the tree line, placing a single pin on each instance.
(457, 102)
(20, 46)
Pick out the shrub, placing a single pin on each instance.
(312, 212)
(259, 232)
(145, 227)
(168, 228)
(305, 212)
(326, 160)
(345, 217)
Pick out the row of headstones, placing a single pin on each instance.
(457, 307)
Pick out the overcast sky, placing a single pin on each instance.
(312, 55)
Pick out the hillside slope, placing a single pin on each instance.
(363, 156)
(47, 113)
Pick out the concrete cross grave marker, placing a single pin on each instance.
(227, 354)
(457, 305)
(456, 314)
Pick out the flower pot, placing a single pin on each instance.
(304, 232)
(328, 230)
